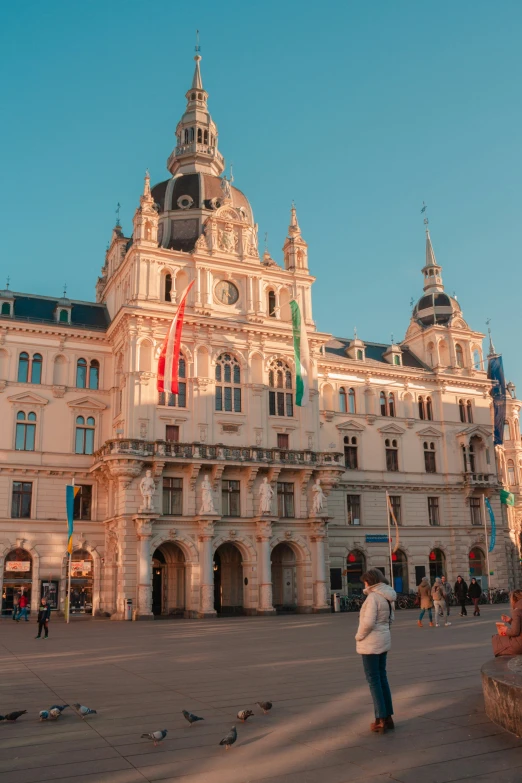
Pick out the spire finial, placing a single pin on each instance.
(355, 333)
(197, 84)
(197, 46)
(491, 351)
(146, 187)
(392, 338)
(64, 290)
(118, 207)
(294, 229)
(7, 283)
(266, 241)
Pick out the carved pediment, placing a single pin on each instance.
(87, 402)
(392, 429)
(475, 429)
(227, 213)
(28, 398)
(429, 432)
(350, 426)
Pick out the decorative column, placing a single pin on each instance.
(320, 585)
(263, 536)
(143, 524)
(199, 298)
(206, 568)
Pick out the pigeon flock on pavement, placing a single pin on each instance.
(54, 712)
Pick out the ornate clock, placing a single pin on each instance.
(226, 292)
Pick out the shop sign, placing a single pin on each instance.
(81, 568)
(377, 540)
(18, 565)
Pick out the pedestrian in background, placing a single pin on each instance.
(426, 601)
(461, 593)
(474, 592)
(44, 614)
(16, 605)
(447, 589)
(373, 639)
(23, 604)
(439, 599)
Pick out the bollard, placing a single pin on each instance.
(128, 609)
(336, 602)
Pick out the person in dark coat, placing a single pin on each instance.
(44, 613)
(509, 641)
(474, 592)
(461, 593)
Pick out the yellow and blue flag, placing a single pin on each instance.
(70, 493)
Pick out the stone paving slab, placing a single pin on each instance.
(139, 676)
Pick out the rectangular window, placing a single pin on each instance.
(475, 511)
(172, 495)
(336, 578)
(353, 507)
(433, 511)
(83, 502)
(219, 398)
(272, 403)
(172, 433)
(429, 462)
(283, 441)
(228, 399)
(230, 493)
(350, 457)
(392, 460)
(25, 434)
(285, 499)
(174, 400)
(280, 404)
(237, 400)
(395, 501)
(21, 500)
(289, 405)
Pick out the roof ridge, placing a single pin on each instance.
(57, 299)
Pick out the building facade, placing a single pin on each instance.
(227, 497)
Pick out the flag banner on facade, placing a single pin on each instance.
(70, 493)
(301, 356)
(493, 536)
(393, 517)
(507, 498)
(498, 392)
(169, 357)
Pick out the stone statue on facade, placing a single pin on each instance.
(207, 501)
(225, 187)
(318, 498)
(266, 493)
(147, 489)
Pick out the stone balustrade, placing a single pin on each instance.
(473, 479)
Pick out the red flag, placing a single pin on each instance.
(169, 357)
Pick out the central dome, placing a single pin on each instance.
(435, 308)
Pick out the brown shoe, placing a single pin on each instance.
(388, 723)
(419, 623)
(431, 625)
(378, 726)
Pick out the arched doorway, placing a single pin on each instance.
(228, 580)
(477, 567)
(168, 581)
(400, 571)
(82, 582)
(284, 578)
(355, 568)
(437, 564)
(18, 578)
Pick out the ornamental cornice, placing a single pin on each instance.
(100, 336)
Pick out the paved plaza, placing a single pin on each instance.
(139, 676)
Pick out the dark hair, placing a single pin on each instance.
(514, 597)
(374, 576)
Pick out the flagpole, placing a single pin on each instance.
(69, 581)
(487, 545)
(389, 536)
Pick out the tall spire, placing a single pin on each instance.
(491, 351)
(295, 248)
(432, 271)
(293, 228)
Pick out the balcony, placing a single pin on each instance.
(479, 480)
(142, 449)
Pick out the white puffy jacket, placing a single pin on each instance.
(373, 635)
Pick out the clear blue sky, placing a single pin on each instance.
(359, 111)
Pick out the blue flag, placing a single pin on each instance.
(493, 536)
(498, 392)
(70, 493)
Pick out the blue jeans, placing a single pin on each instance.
(23, 613)
(375, 671)
(429, 615)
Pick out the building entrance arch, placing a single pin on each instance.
(17, 579)
(169, 588)
(437, 564)
(82, 582)
(477, 567)
(400, 571)
(228, 580)
(284, 578)
(355, 568)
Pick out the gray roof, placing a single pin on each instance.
(42, 309)
(374, 353)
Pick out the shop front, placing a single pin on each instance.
(82, 574)
(17, 580)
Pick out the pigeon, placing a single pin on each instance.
(190, 717)
(84, 711)
(229, 740)
(54, 713)
(265, 705)
(44, 714)
(155, 736)
(243, 715)
(12, 716)
(58, 707)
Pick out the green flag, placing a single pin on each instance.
(507, 498)
(301, 355)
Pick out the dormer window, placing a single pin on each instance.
(360, 355)
(397, 360)
(63, 317)
(6, 308)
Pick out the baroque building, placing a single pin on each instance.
(203, 502)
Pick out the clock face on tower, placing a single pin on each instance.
(226, 292)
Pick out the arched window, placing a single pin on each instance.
(431, 354)
(168, 287)
(477, 567)
(392, 455)
(280, 395)
(200, 135)
(36, 368)
(512, 479)
(94, 374)
(191, 134)
(397, 360)
(459, 356)
(359, 354)
(205, 137)
(350, 452)
(177, 400)
(422, 411)
(462, 410)
(477, 359)
(437, 564)
(429, 409)
(81, 374)
(391, 404)
(351, 401)
(271, 304)
(228, 384)
(6, 308)
(343, 400)
(193, 96)
(355, 568)
(430, 464)
(25, 431)
(186, 136)
(23, 367)
(63, 317)
(84, 441)
(469, 412)
(382, 401)
(471, 456)
(507, 431)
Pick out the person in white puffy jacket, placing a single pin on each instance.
(373, 639)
